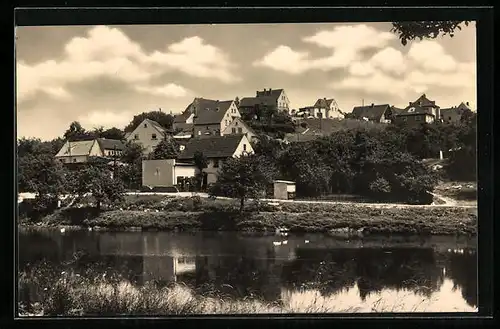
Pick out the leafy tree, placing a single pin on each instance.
(76, 132)
(97, 180)
(409, 31)
(164, 119)
(113, 133)
(201, 162)
(131, 173)
(166, 149)
(244, 177)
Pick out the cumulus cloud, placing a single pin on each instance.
(106, 119)
(430, 55)
(168, 90)
(108, 52)
(345, 42)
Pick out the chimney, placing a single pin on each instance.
(372, 105)
(467, 103)
(409, 103)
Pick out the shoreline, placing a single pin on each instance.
(335, 219)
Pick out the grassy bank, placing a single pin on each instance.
(171, 214)
(48, 292)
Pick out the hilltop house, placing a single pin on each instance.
(148, 134)
(167, 173)
(239, 127)
(323, 108)
(420, 111)
(268, 98)
(84, 151)
(373, 113)
(454, 114)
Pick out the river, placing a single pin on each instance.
(399, 274)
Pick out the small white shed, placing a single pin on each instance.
(284, 190)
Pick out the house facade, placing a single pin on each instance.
(454, 114)
(216, 149)
(420, 111)
(267, 99)
(323, 108)
(213, 117)
(148, 134)
(238, 126)
(374, 113)
(84, 151)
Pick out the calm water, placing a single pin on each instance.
(406, 274)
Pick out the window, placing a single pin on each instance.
(145, 125)
(244, 147)
(216, 163)
(240, 130)
(208, 127)
(449, 118)
(233, 130)
(62, 160)
(226, 122)
(136, 136)
(236, 123)
(153, 136)
(74, 160)
(199, 133)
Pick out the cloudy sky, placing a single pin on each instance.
(104, 75)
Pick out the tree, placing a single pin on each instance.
(165, 120)
(97, 180)
(201, 162)
(166, 149)
(113, 133)
(409, 31)
(244, 177)
(76, 132)
(131, 173)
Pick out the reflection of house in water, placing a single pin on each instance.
(159, 261)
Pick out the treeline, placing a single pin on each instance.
(382, 162)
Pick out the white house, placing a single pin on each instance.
(148, 134)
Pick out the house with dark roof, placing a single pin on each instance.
(208, 117)
(454, 114)
(422, 110)
(84, 151)
(216, 149)
(267, 99)
(148, 134)
(374, 113)
(323, 108)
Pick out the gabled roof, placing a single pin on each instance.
(156, 125)
(212, 146)
(253, 101)
(211, 112)
(273, 93)
(371, 112)
(422, 101)
(110, 144)
(184, 127)
(181, 118)
(323, 103)
(245, 125)
(78, 148)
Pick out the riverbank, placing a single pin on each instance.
(192, 214)
(43, 292)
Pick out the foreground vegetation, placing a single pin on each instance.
(170, 214)
(46, 290)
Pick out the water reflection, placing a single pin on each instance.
(418, 274)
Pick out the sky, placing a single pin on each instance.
(104, 75)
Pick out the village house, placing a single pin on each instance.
(83, 151)
(170, 172)
(323, 108)
(373, 113)
(239, 127)
(268, 98)
(454, 114)
(148, 134)
(422, 110)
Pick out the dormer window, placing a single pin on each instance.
(411, 109)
